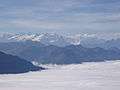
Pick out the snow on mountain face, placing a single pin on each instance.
(37, 37)
(21, 37)
(103, 40)
(44, 38)
(53, 39)
(61, 40)
(5, 37)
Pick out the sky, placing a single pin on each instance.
(60, 16)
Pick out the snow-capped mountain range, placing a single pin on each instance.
(62, 49)
(87, 40)
(44, 38)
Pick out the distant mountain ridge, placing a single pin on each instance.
(35, 51)
(44, 38)
(87, 40)
(56, 49)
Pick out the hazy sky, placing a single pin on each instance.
(72, 16)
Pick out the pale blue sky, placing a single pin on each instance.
(61, 16)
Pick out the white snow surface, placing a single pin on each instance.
(86, 76)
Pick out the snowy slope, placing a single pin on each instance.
(87, 76)
(44, 38)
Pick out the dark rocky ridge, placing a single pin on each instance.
(13, 65)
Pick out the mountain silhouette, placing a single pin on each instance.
(12, 65)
